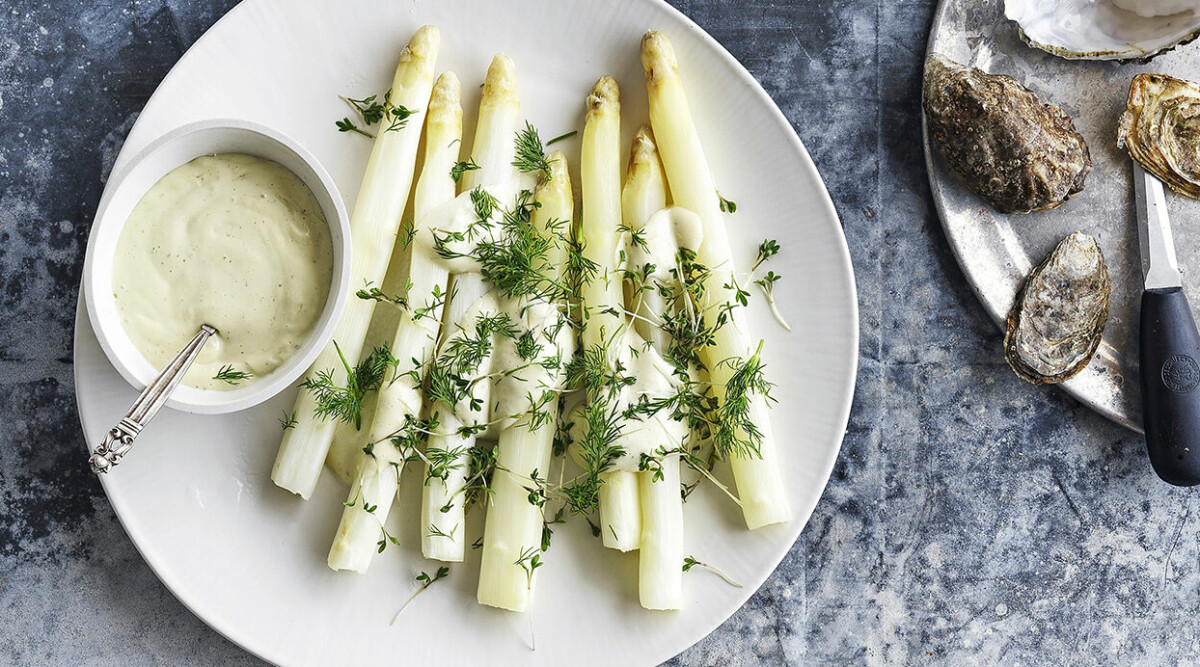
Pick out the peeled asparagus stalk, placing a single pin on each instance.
(644, 194)
(660, 573)
(499, 120)
(660, 561)
(373, 226)
(399, 399)
(442, 533)
(758, 479)
(514, 525)
(602, 296)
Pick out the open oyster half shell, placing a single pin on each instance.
(1056, 323)
(1161, 130)
(1105, 29)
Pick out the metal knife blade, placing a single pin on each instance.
(1159, 267)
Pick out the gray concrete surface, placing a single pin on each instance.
(971, 518)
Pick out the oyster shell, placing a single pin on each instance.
(1017, 152)
(1105, 29)
(1056, 323)
(1156, 7)
(1161, 130)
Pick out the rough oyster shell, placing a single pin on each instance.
(1017, 152)
(1056, 323)
(1103, 30)
(1161, 130)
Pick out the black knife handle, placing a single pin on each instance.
(1170, 356)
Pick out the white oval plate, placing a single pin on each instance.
(249, 559)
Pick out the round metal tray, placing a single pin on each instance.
(996, 251)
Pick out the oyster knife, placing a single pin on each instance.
(1170, 345)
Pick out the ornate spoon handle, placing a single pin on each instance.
(119, 439)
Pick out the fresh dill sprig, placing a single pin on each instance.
(637, 236)
(734, 432)
(527, 346)
(451, 376)
(562, 137)
(408, 232)
(434, 531)
(288, 420)
(484, 205)
(482, 467)
(516, 260)
(344, 403)
(682, 319)
(227, 375)
(603, 422)
(530, 154)
(580, 270)
(457, 170)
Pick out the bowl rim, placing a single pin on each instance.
(110, 333)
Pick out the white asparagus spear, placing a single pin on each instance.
(660, 571)
(660, 560)
(373, 226)
(447, 453)
(514, 524)
(399, 401)
(602, 296)
(758, 479)
(644, 194)
(442, 533)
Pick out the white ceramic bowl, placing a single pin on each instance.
(125, 190)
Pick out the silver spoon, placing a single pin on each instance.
(119, 439)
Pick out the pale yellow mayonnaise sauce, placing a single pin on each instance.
(233, 241)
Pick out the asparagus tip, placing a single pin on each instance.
(424, 43)
(604, 94)
(658, 55)
(446, 91)
(643, 148)
(501, 78)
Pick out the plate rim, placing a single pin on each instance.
(840, 421)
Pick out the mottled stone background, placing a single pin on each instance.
(970, 518)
